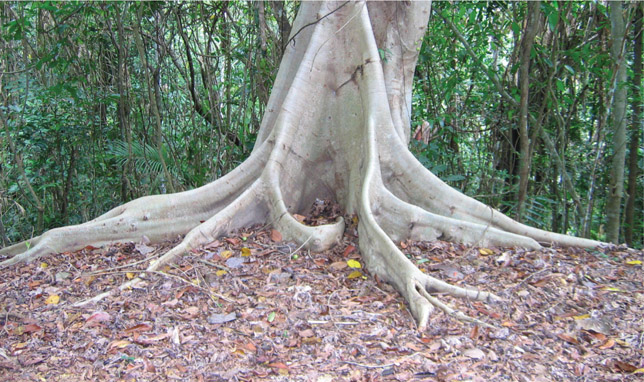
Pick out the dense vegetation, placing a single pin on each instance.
(103, 103)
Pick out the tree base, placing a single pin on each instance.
(335, 129)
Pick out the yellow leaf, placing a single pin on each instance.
(486, 251)
(612, 289)
(639, 371)
(354, 264)
(225, 254)
(53, 299)
(634, 262)
(118, 344)
(245, 252)
(354, 219)
(195, 281)
(220, 272)
(582, 317)
(129, 275)
(354, 275)
(623, 343)
(44, 265)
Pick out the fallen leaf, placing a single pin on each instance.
(31, 328)
(278, 365)
(306, 333)
(138, 328)
(581, 317)
(271, 316)
(634, 262)
(52, 300)
(625, 367)
(348, 250)
(232, 240)
(354, 275)
(299, 218)
(43, 265)
(354, 264)
(474, 353)
(222, 318)
(608, 344)
(98, 317)
(143, 249)
(245, 252)
(338, 265)
(486, 251)
(568, 338)
(129, 275)
(120, 344)
(612, 289)
(220, 272)
(225, 254)
(276, 236)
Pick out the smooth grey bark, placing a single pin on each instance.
(337, 127)
(618, 124)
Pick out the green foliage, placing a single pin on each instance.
(75, 91)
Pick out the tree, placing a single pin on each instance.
(618, 124)
(336, 127)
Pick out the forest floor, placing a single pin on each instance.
(251, 307)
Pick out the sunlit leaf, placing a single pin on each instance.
(354, 275)
(53, 299)
(486, 251)
(612, 289)
(271, 316)
(581, 317)
(354, 264)
(245, 252)
(43, 265)
(220, 272)
(634, 262)
(129, 275)
(226, 254)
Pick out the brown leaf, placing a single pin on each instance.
(31, 328)
(278, 365)
(138, 328)
(625, 367)
(98, 317)
(149, 366)
(568, 338)
(348, 250)
(608, 344)
(306, 333)
(276, 236)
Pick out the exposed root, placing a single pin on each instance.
(335, 127)
(411, 182)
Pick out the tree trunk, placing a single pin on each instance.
(336, 127)
(529, 33)
(636, 128)
(618, 124)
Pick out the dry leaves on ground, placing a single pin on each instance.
(250, 308)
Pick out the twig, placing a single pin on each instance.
(369, 366)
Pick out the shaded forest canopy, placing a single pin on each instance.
(101, 104)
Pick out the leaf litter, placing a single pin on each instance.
(244, 308)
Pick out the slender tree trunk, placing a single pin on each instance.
(618, 124)
(529, 33)
(152, 100)
(636, 128)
